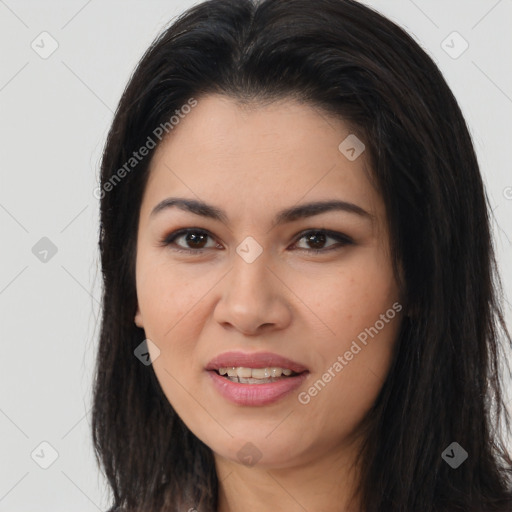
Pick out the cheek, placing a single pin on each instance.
(174, 301)
(170, 299)
(338, 397)
(356, 303)
(350, 298)
(173, 315)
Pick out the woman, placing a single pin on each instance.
(300, 308)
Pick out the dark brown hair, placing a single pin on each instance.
(444, 383)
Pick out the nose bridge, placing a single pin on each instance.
(250, 277)
(251, 296)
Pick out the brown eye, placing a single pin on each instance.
(190, 240)
(197, 240)
(316, 240)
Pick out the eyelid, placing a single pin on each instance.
(169, 239)
(336, 235)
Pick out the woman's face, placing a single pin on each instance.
(265, 281)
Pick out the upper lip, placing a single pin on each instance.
(255, 360)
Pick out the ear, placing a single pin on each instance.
(138, 318)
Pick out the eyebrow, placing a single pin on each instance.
(287, 215)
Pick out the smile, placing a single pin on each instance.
(255, 379)
(255, 375)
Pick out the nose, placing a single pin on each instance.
(253, 299)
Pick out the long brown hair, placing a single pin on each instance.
(444, 383)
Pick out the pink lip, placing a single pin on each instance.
(256, 360)
(255, 394)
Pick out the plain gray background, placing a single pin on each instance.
(54, 116)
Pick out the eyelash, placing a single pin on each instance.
(343, 240)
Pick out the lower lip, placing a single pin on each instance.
(256, 394)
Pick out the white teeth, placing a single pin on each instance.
(246, 373)
(263, 373)
(255, 373)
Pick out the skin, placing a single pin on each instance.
(252, 162)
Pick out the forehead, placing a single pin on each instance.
(259, 155)
(223, 126)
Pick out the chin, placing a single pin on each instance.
(252, 450)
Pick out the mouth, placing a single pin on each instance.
(246, 375)
(255, 379)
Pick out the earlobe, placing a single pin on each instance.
(138, 318)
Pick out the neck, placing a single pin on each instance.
(325, 483)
